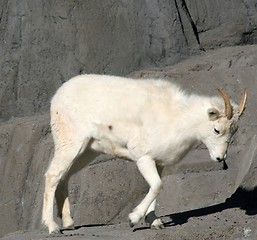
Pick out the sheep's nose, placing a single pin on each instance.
(220, 159)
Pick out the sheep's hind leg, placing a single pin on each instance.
(147, 168)
(63, 204)
(60, 165)
(62, 190)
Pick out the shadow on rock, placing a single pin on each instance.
(243, 199)
(71, 229)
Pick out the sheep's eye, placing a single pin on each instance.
(216, 131)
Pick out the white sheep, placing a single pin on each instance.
(151, 122)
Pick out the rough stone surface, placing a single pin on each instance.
(44, 43)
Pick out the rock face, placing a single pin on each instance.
(44, 43)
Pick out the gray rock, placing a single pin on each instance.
(43, 44)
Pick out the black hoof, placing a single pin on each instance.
(56, 233)
(131, 224)
(158, 227)
(72, 227)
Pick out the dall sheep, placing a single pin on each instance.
(151, 122)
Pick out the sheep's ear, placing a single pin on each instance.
(213, 114)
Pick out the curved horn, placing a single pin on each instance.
(228, 106)
(241, 105)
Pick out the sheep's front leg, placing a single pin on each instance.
(147, 168)
(151, 218)
(59, 167)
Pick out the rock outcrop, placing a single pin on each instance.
(43, 44)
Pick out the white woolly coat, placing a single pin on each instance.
(136, 117)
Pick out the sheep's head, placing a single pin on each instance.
(222, 126)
